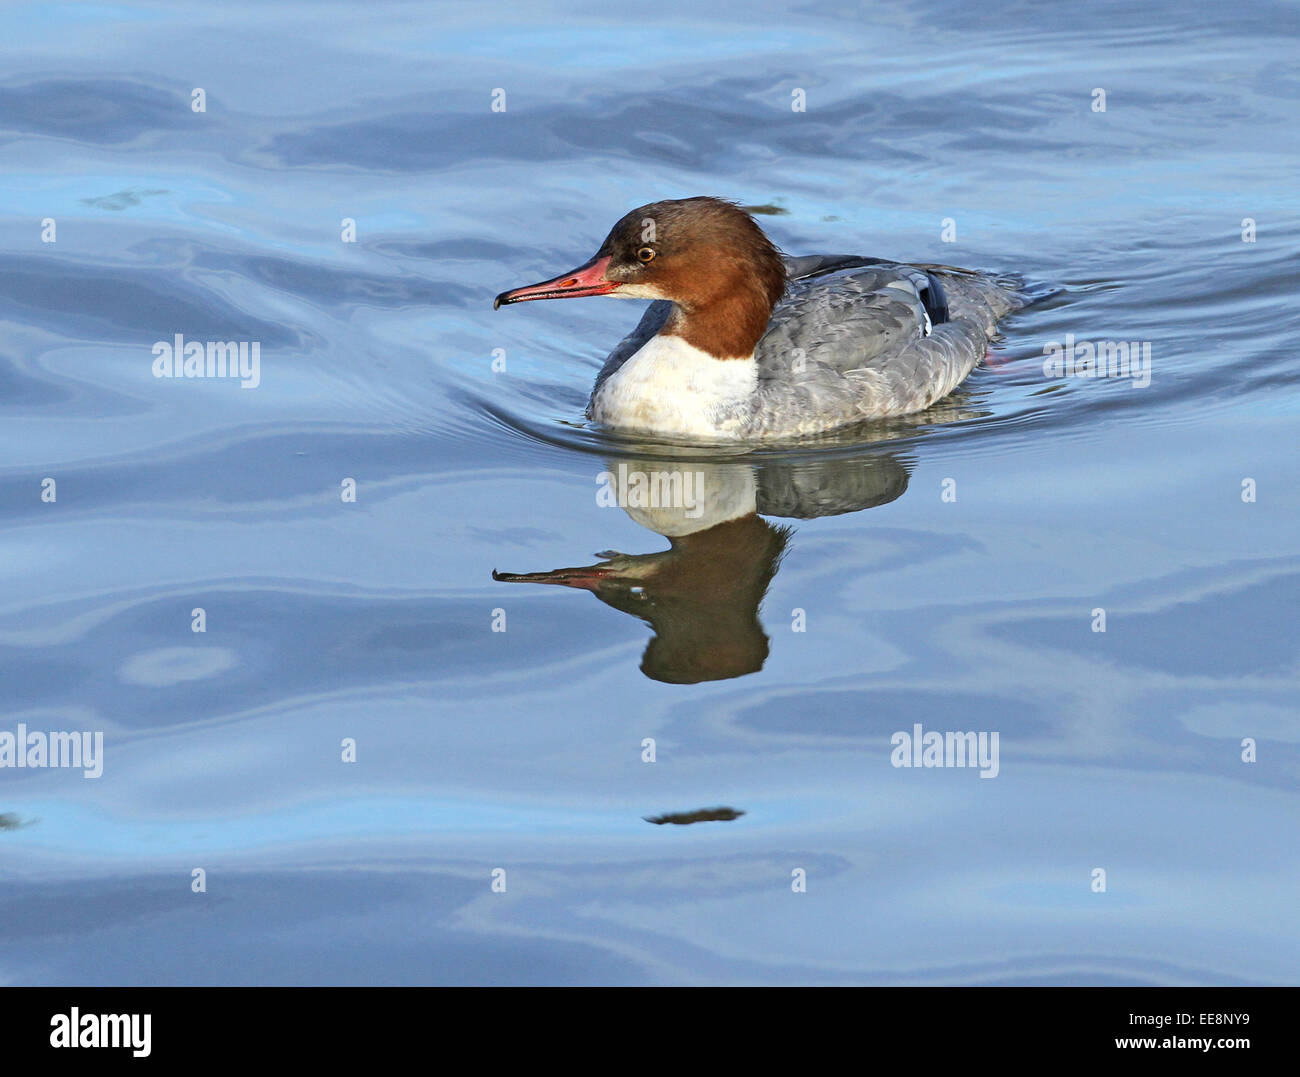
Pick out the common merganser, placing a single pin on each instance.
(744, 343)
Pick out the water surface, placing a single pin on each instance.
(943, 570)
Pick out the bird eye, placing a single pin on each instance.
(645, 254)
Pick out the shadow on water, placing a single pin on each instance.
(703, 815)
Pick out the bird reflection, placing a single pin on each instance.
(701, 596)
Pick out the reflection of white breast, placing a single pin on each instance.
(673, 388)
(702, 495)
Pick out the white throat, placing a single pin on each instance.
(673, 388)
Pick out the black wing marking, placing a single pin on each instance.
(935, 300)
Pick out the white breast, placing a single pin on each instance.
(673, 388)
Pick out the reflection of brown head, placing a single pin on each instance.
(704, 603)
(700, 596)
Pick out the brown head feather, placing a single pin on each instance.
(711, 259)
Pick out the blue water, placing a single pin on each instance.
(943, 570)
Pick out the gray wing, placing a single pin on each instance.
(855, 339)
(845, 319)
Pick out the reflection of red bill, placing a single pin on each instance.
(585, 579)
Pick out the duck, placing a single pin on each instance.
(743, 343)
